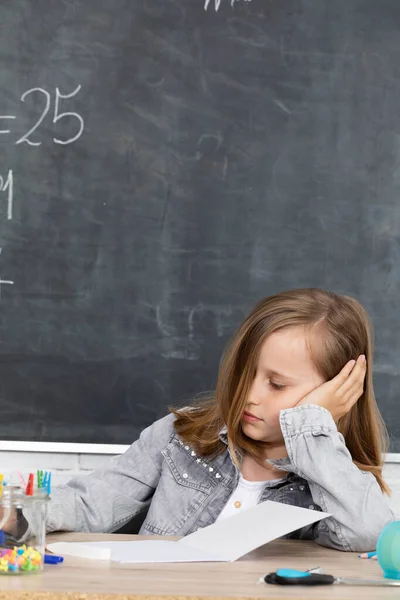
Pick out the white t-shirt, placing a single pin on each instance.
(246, 495)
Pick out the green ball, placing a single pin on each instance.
(388, 550)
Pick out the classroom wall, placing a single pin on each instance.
(65, 466)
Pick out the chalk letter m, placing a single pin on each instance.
(217, 4)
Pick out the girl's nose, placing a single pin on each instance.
(257, 392)
(254, 398)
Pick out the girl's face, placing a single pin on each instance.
(285, 374)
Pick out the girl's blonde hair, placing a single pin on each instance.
(338, 330)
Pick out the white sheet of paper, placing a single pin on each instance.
(153, 551)
(236, 536)
(223, 541)
(80, 550)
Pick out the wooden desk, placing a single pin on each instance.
(78, 579)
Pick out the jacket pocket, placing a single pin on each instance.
(187, 470)
(182, 492)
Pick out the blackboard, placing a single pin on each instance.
(164, 165)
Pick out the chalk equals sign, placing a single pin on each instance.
(6, 117)
(5, 281)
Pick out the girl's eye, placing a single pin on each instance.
(276, 386)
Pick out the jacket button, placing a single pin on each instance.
(185, 476)
(311, 507)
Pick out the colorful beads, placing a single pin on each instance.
(23, 559)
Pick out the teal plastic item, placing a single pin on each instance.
(388, 550)
(292, 573)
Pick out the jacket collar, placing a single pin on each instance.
(223, 435)
(281, 464)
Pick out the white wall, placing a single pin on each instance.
(66, 465)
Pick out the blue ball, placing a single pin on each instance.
(388, 550)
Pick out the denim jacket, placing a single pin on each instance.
(161, 481)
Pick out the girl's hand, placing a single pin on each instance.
(340, 393)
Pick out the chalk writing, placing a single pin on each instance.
(7, 182)
(57, 116)
(7, 185)
(6, 117)
(25, 138)
(217, 3)
(5, 282)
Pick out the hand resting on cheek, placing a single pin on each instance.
(340, 393)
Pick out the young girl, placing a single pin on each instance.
(293, 420)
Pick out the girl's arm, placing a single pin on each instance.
(317, 452)
(108, 498)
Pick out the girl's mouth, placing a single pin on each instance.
(250, 418)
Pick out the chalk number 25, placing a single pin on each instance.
(56, 117)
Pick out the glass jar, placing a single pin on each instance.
(22, 546)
